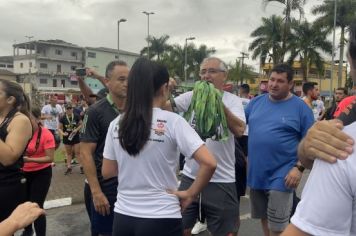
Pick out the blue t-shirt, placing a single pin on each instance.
(275, 129)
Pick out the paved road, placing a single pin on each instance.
(73, 221)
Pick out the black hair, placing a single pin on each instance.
(307, 86)
(144, 80)
(245, 88)
(22, 102)
(36, 112)
(284, 68)
(110, 67)
(343, 89)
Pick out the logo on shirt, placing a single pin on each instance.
(160, 128)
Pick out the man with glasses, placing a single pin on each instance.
(219, 199)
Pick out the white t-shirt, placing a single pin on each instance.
(245, 102)
(328, 205)
(54, 112)
(224, 152)
(317, 107)
(144, 179)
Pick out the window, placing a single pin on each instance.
(43, 65)
(74, 82)
(2, 65)
(21, 65)
(10, 66)
(59, 68)
(116, 57)
(54, 83)
(72, 68)
(74, 54)
(92, 54)
(30, 63)
(58, 52)
(63, 83)
(43, 81)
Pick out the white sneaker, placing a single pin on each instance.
(199, 227)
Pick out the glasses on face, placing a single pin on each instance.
(210, 71)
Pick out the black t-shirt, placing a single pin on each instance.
(69, 123)
(95, 127)
(348, 116)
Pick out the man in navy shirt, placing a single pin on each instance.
(277, 122)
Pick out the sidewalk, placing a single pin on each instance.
(66, 186)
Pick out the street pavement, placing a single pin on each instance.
(72, 220)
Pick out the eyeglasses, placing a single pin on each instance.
(210, 71)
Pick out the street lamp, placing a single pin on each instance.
(118, 36)
(148, 31)
(186, 57)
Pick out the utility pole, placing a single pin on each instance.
(243, 56)
(29, 68)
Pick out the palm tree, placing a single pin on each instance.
(308, 41)
(290, 5)
(346, 14)
(174, 60)
(157, 47)
(238, 73)
(268, 40)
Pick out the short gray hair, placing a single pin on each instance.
(222, 64)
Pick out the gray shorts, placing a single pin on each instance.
(275, 206)
(220, 205)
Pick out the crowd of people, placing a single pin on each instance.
(129, 143)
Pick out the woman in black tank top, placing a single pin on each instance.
(15, 133)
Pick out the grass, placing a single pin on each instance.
(59, 155)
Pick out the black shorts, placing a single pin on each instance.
(219, 202)
(129, 225)
(74, 141)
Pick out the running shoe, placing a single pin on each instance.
(68, 171)
(199, 227)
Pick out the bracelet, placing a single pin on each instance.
(300, 168)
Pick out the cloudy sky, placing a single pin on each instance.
(223, 24)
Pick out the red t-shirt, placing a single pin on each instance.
(46, 142)
(343, 105)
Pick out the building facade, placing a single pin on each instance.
(48, 66)
(7, 63)
(323, 80)
(99, 58)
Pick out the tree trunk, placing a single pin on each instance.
(341, 58)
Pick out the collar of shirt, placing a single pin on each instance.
(112, 104)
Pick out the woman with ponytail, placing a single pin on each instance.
(142, 148)
(15, 132)
(38, 169)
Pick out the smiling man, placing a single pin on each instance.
(277, 122)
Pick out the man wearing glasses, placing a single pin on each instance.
(219, 198)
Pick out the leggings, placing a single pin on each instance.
(133, 226)
(38, 183)
(11, 195)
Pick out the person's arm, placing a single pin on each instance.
(101, 203)
(291, 230)
(19, 133)
(207, 168)
(236, 126)
(325, 141)
(109, 168)
(46, 159)
(60, 129)
(23, 215)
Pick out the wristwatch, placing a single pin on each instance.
(300, 167)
